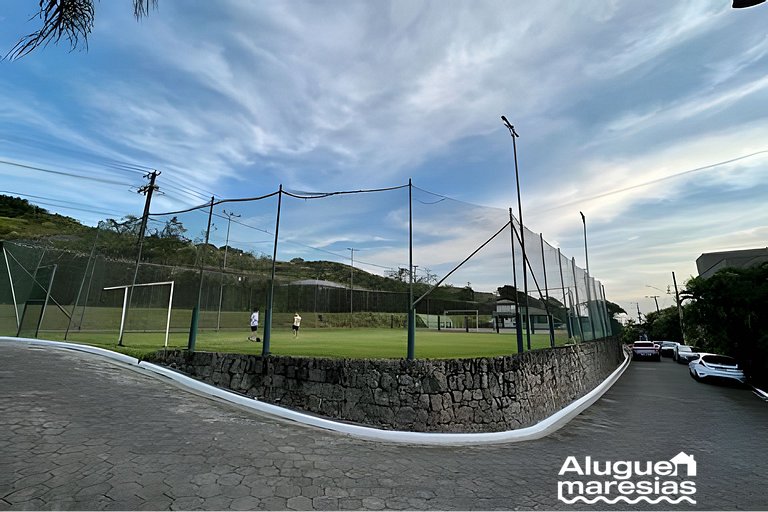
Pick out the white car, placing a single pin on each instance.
(716, 367)
(684, 354)
(667, 348)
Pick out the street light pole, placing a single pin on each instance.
(514, 135)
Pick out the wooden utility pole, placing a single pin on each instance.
(147, 189)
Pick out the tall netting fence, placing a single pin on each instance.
(351, 259)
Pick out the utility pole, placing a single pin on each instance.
(679, 308)
(655, 299)
(587, 277)
(224, 267)
(639, 318)
(351, 280)
(147, 189)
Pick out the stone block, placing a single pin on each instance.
(405, 416)
(317, 375)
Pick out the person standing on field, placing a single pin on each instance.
(254, 326)
(296, 325)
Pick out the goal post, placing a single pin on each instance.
(463, 314)
(124, 312)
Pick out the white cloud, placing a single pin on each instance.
(234, 98)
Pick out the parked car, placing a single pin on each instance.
(684, 354)
(716, 367)
(667, 348)
(646, 350)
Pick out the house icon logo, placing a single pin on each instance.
(683, 459)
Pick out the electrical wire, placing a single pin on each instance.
(57, 203)
(62, 173)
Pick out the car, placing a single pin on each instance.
(717, 367)
(684, 354)
(646, 350)
(667, 348)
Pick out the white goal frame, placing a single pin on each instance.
(126, 287)
(465, 312)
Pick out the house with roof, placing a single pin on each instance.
(683, 459)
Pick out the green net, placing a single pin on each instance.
(342, 259)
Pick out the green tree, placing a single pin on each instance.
(727, 314)
(71, 20)
(630, 332)
(664, 325)
(129, 225)
(17, 207)
(614, 309)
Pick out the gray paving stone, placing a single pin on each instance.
(246, 503)
(373, 503)
(217, 503)
(187, 503)
(274, 503)
(350, 504)
(299, 503)
(208, 491)
(235, 491)
(325, 503)
(157, 447)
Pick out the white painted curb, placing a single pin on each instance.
(760, 393)
(539, 430)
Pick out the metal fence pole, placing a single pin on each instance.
(271, 295)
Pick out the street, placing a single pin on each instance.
(79, 432)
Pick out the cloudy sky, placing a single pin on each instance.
(648, 116)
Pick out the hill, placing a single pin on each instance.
(21, 220)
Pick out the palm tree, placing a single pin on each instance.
(68, 19)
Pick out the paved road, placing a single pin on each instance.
(77, 432)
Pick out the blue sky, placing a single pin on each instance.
(647, 116)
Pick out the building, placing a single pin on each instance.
(710, 262)
(505, 315)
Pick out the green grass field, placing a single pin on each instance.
(364, 343)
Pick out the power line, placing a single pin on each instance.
(38, 144)
(64, 206)
(62, 173)
(654, 181)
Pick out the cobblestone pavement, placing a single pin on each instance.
(79, 432)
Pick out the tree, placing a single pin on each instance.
(401, 274)
(727, 314)
(631, 332)
(17, 207)
(664, 325)
(173, 229)
(130, 225)
(68, 19)
(614, 309)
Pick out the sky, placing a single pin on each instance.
(648, 117)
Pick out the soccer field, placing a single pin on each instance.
(364, 343)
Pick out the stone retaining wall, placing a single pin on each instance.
(460, 395)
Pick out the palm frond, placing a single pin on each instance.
(141, 8)
(68, 19)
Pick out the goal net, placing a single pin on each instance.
(461, 319)
(148, 309)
